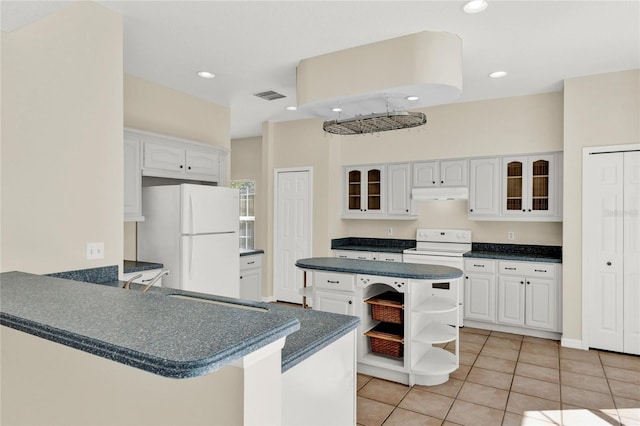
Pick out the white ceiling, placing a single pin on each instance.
(254, 46)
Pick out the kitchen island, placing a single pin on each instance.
(408, 312)
(78, 353)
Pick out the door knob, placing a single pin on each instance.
(608, 263)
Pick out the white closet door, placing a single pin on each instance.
(632, 252)
(603, 204)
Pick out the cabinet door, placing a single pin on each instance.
(480, 297)
(250, 285)
(484, 187)
(374, 190)
(541, 185)
(541, 304)
(511, 293)
(203, 162)
(426, 174)
(163, 156)
(338, 303)
(132, 179)
(514, 172)
(399, 189)
(354, 188)
(453, 173)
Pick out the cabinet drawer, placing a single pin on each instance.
(353, 254)
(530, 269)
(334, 281)
(388, 257)
(480, 265)
(249, 262)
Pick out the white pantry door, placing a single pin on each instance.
(292, 231)
(611, 249)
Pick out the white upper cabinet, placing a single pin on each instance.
(484, 187)
(399, 190)
(168, 157)
(180, 160)
(132, 178)
(440, 173)
(530, 186)
(364, 191)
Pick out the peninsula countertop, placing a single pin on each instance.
(152, 331)
(385, 269)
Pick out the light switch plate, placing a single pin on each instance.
(95, 251)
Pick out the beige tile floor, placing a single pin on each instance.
(509, 379)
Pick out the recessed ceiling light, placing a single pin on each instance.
(206, 74)
(475, 6)
(412, 98)
(336, 109)
(498, 74)
(291, 108)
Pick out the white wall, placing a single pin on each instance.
(62, 141)
(599, 110)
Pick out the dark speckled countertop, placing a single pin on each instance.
(129, 266)
(147, 330)
(385, 269)
(380, 245)
(516, 252)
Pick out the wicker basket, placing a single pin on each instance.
(387, 307)
(387, 339)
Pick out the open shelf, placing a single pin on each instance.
(436, 361)
(437, 304)
(435, 332)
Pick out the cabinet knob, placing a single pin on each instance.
(407, 210)
(189, 168)
(528, 282)
(524, 211)
(240, 276)
(466, 278)
(350, 302)
(608, 263)
(529, 209)
(433, 182)
(441, 181)
(181, 166)
(521, 282)
(470, 210)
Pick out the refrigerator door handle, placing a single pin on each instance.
(189, 254)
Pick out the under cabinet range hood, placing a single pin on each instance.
(440, 193)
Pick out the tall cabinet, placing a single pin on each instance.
(611, 248)
(364, 191)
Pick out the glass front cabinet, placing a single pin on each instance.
(364, 191)
(529, 185)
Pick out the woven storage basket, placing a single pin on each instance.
(387, 307)
(387, 339)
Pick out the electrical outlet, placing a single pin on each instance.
(95, 251)
(511, 235)
(389, 231)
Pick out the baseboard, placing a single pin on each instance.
(572, 343)
(268, 299)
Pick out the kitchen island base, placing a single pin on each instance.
(45, 383)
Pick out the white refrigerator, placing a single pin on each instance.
(193, 231)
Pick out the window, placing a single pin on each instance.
(247, 212)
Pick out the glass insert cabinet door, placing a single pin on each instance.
(527, 185)
(364, 189)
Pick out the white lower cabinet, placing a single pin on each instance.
(251, 277)
(334, 292)
(368, 255)
(480, 290)
(528, 295)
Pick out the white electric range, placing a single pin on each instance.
(441, 247)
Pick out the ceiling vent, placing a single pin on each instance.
(269, 95)
(375, 123)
